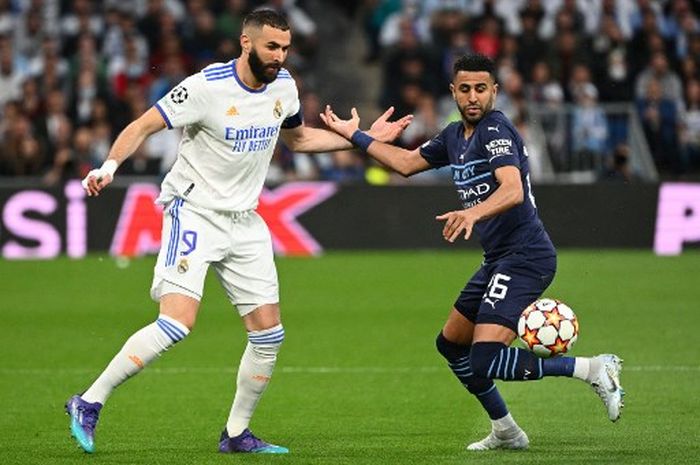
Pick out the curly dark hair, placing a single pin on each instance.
(475, 62)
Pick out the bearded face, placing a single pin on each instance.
(473, 111)
(263, 72)
(474, 93)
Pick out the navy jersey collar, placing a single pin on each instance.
(243, 85)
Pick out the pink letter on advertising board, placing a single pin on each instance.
(76, 220)
(280, 209)
(17, 222)
(138, 229)
(677, 217)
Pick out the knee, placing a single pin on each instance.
(181, 308)
(448, 349)
(483, 355)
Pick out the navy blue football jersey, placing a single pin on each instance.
(494, 143)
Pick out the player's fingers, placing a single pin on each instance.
(103, 182)
(449, 226)
(405, 121)
(85, 185)
(95, 187)
(385, 116)
(467, 232)
(443, 217)
(355, 115)
(91, 185)
(455, 233)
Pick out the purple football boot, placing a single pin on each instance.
(83, 420)
(248, 442)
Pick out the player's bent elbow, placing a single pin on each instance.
(519, 197)
(405, 171)
(516, 195)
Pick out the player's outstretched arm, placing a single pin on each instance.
(313, 140)
(402, 161)
(310, 140)
(124, 145)
(508, 194)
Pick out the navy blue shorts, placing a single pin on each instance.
(499, 291)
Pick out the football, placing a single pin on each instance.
(548, 327)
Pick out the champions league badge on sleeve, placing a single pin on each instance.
(178, 94)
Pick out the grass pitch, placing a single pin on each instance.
(358, 379)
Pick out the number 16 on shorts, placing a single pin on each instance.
(497, 287)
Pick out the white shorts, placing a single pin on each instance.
(237, 244)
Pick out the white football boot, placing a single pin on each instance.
(514, 438)
(604, 378)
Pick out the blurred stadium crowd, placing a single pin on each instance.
(564, 64)
(73, 73)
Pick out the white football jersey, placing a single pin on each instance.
(229, 135)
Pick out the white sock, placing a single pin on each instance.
(504, 424)
(138, 351)
(254, 374)
(582, 367)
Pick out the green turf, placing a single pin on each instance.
(358, 380)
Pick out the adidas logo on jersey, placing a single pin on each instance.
(232, 111)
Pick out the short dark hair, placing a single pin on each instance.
(266, 17)
(475, 62)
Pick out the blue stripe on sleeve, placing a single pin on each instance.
(165, 117)
(218, 78)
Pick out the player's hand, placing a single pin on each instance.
(384, 130)
(95, 181)
(344, 127)
(456, 222)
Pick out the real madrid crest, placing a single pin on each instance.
(183, 266)
(277, 111)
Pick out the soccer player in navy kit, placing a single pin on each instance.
(490, 170)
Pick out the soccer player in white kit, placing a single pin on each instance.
(232, 115)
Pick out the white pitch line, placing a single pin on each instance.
(304, 370)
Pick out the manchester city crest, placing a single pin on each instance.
(277, 111)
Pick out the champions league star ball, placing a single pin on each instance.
(548, 327)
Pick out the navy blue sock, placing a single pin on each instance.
(485, 390)
(558, 366)
(495, 360)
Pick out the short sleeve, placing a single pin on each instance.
(185, 103)
(501, 146)
(434, 151)
(293, 117)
